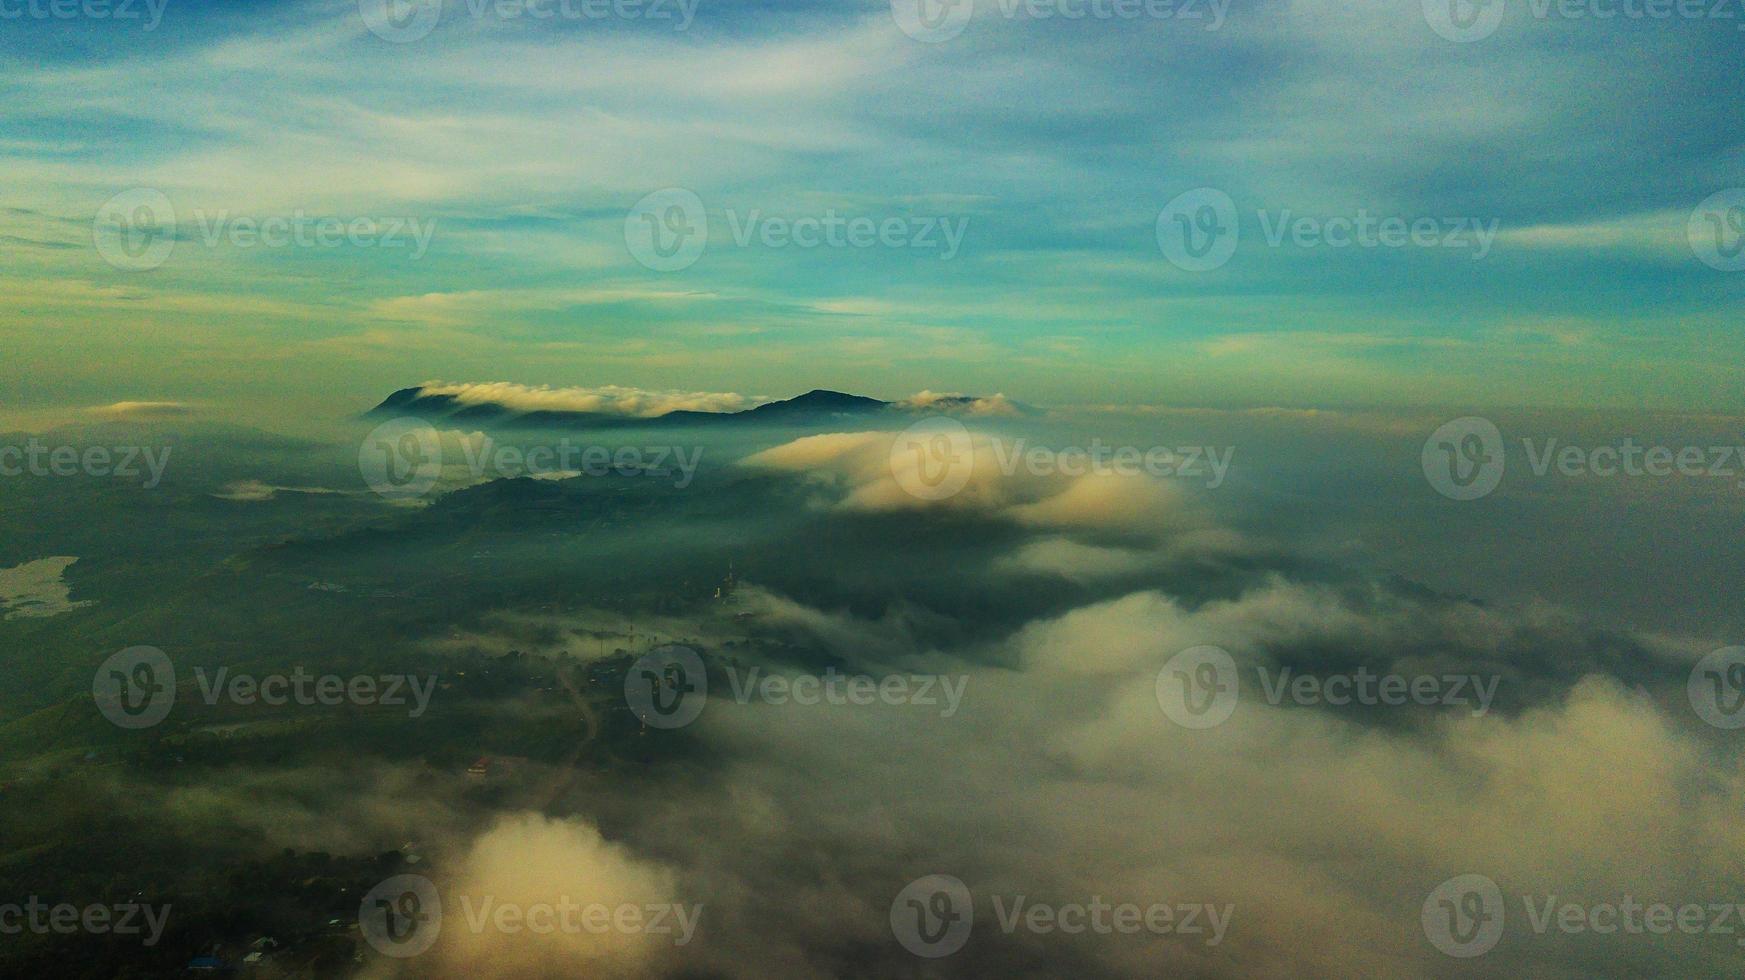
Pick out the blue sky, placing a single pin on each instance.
(523, 142)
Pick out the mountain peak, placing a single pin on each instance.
(827, 396)
(820, 400)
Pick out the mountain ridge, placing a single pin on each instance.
(814, 406)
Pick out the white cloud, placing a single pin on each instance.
(864, 475)
(606, 399)
(142, 410)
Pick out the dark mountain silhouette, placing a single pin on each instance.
(815, 407)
